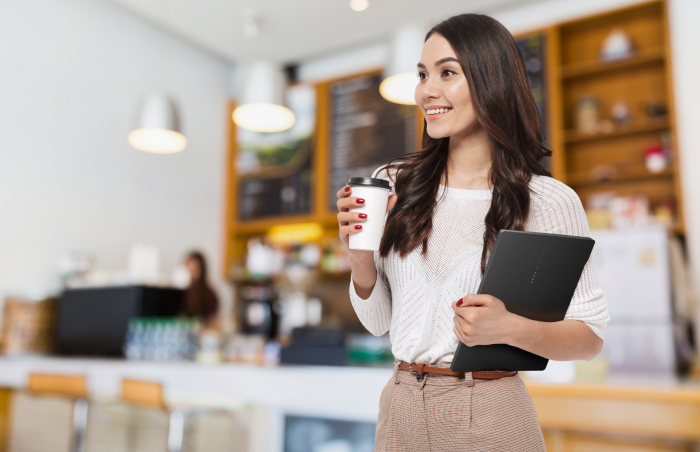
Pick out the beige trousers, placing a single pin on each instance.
(440, 413)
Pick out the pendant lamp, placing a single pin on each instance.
(159, 127)
(261, 108)
(400, 77)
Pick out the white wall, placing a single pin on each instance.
(339, 65)
(72, 76)
(685, 43)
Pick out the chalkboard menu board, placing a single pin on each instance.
(366, 130)
(286, 193)
(534, 51)
(275, 169)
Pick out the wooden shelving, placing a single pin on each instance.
(634, 173)
(576, 136)
(613, 162)
(653, 55)
(262, 226)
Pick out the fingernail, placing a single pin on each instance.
(358, 226)
(360, 201)
(347, 188)
(459, 302)
(363, 215)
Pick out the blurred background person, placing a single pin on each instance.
(200, 300)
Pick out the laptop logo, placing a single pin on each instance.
(534, 274)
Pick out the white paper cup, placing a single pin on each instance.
(375, 192)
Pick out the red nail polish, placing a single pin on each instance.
(363, 215)
(358, 226)
(459, 302)
(347, 188)
(360, 201)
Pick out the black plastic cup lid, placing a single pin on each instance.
(370, 182)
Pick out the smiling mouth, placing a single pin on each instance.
(437, 111)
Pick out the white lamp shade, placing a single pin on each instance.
(399, 88)
(400, 77)
(359, 5)
(159, 127)
(265, 118)
(261, 108)
(157, 141)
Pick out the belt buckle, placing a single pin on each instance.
(420, 374)
(419, 367)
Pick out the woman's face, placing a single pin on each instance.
(194, 270)
(443, 92)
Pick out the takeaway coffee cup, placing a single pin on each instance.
(375, 192)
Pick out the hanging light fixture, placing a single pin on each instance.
(159, 127)
(261, 108)
(400, 79)
(359, 5)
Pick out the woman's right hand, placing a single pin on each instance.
(351, 222)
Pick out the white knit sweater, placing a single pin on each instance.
(412, 297)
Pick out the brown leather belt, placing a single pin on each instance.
(423, 369)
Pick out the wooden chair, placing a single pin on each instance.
(73, 387)
(150, 395)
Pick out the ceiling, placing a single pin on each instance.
(292, 31)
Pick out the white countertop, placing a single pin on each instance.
(336, 392)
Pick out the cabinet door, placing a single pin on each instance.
(557, 441)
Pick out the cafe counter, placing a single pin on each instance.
(647, 414)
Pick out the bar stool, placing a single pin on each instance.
(73, 387)
(150, 395)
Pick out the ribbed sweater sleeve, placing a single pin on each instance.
(561, 212)
(375, 311)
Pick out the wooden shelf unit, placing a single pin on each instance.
(656, 125)
(646, 56)
(238, 232)
(633, 173)
(613, 161)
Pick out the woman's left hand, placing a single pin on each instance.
(482, 320)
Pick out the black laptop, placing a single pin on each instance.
(535, 276)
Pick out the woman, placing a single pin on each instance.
(479, 172)
(200, 299)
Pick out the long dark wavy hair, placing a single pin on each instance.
(505, 108)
